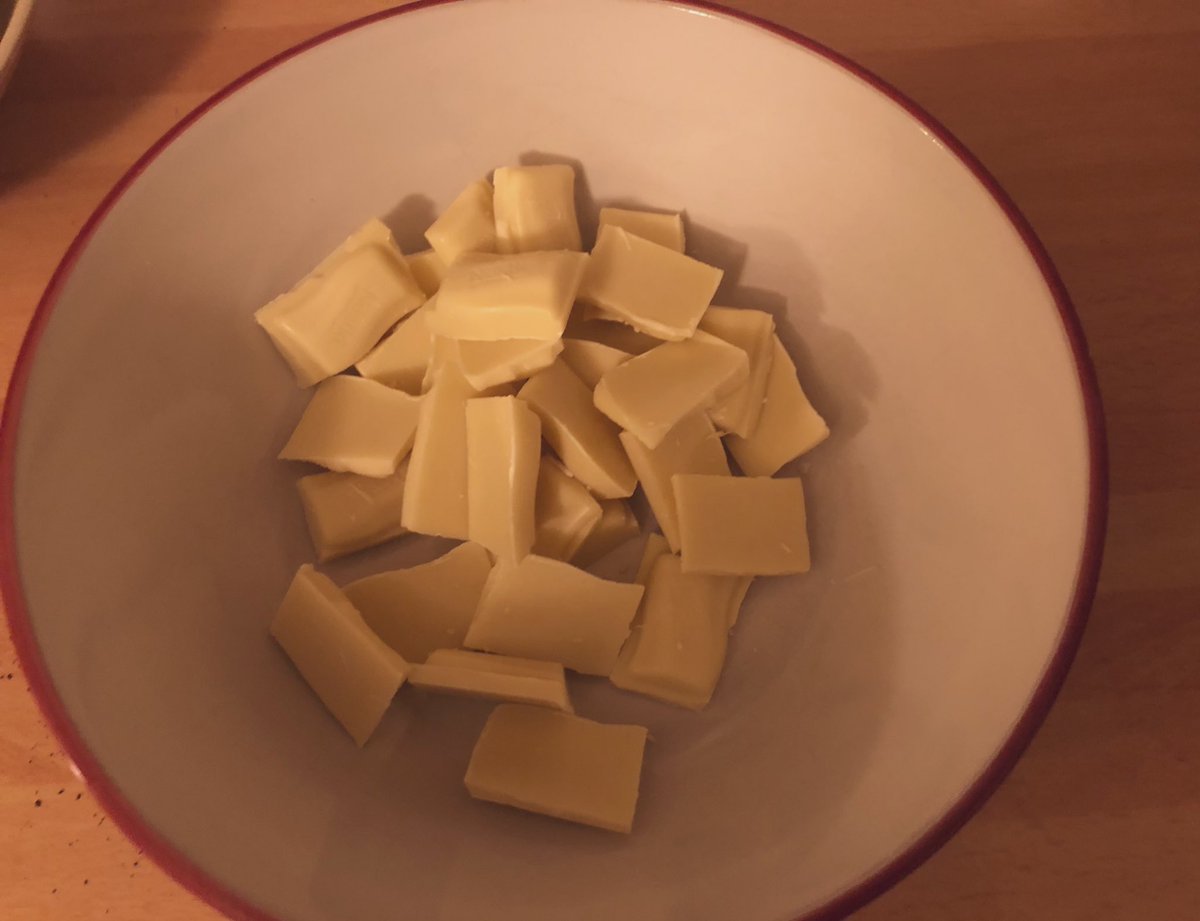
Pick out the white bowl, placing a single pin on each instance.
(14, 17)
(866, 709)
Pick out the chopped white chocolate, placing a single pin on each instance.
(788, 426)
(428, 269)
(566, 512)
(523, 296)
(651, 393)
(427, 607)
(546, 609)
(591, 360)
(535, 208)
(737, 595)
(504, 451)
(494, 677)
(402, 358)
(355, 425)
(466, 226)
(616, 526)
(752, 331)
(337, 312)
(656, 545)
(741, 525)
(654, 289)
(348, 512)
(348, 666)
(558, 764)
(435, 496)
(487, 364)
(692, 446)
(614, 334)
(586, 442)
(678, 650)
(663, 229)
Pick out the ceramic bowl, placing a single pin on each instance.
(866, 708)
(14, 18)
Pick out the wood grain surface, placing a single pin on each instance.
(1087, 111)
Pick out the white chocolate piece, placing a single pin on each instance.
(677, 652)
(535, 208)
(656, 545)
(788, 426)
(692, 446)
(348, 666)
(650, 394)
(663, 229)
(545, 609)
(614, 334)
(487, 364)
(435, 495)
(752, 331)
(355, 425)
(566, 512)
(402, 358)
(616, 526)
(586, 442)
(591, 360)
(654, 289)
(558, 764)
(737, 595)
(428, 269)
(743, 526)
(523, 296)
(493, 677)
(466, 226)
(427, 607)
(337, 312)
(504, 451)
(347, 512)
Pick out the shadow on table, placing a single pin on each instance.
(80, 75)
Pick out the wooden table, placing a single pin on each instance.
(1088, 111)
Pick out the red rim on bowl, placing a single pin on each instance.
(213, 891)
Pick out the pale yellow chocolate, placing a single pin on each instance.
(494, 677)
(678, 650)
(522, 296)
(504, 450)
(752, 331)
(353, 672)
(466, 226)
(540, 608)
(355, 425)
(741, 526)
(656, 545)
(653, 288)
(347, 512)
(788, 426)
(337, 312)
(663, 229)
(488, 364)
(426, 607)
(428, 269)
(650, 394)
(557, 764)
(692, 446)
(584, 439)
(591, 360)
(617, 525)
(402, 358)
(614, 334)
(435, 495)
(566, 512)
(535, 208)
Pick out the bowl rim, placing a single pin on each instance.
(12, 32)
(216, 893)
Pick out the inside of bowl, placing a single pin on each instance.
(156, 533)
